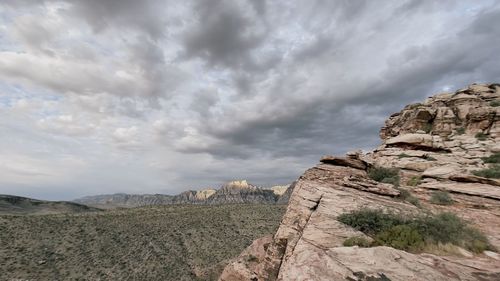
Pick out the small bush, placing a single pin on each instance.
(385, 175)
(404, 237)
(460, 131)
(394, 181)
(357, 241)
(481, 136)
(403, 155)
(414, 201)
(371, 221)
(495, 103)
(494, 158)
(414, 181)
(441, 198)
(405, 195)
(492, 172)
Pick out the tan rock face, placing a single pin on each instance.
(427, 144)
(469, 109)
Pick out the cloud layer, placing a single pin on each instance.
(163, 96)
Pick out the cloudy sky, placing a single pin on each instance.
(105, 96)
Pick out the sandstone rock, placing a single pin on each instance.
(423, 140)
(243, 267)
(442, 172)
(472, 189)
(344, 161)
(308, 242)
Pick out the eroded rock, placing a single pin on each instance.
(434, 146)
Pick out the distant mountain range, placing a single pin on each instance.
(231, 192)
(17, 205)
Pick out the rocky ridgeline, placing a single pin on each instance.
(439, 144)
(17, 205)
(231, 192)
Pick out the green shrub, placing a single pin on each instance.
(385, 175)
(394, 181)
(414, 181)
(494, 158)
(441, 198)
(460, 131)
(415, 232)
(406, 196)
(404, 237)
(495, 103)
(403, 155)
(414, 201)
(481, 136)
(371, 221)
(357, 241)
(492, 172)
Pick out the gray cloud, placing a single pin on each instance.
(226, 33)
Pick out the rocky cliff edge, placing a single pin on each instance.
(439, 144)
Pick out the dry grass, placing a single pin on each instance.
(151, 243)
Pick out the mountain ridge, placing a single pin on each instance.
(231, 192)
(11, 204)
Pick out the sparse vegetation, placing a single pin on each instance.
(460, 131)
(149, 243)
(404, 237)
(405, 195)
(385, 175)
(441, 198)
(491, 172)
(494, 158)
(414, 201)
(414, 181)
(403, 155)
(416, 233)
(481, 136)
(357, 241)
(495, 103)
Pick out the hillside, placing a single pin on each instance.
(229, 193)
(10, 204)
(424, 205)
(182, 242)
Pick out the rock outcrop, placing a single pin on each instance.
(232, 192)
(435, 145)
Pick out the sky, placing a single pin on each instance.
(106, 96)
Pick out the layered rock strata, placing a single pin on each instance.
(436, 145)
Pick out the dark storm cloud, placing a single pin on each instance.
(147, 15)
(225, 34)
(327, 122)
